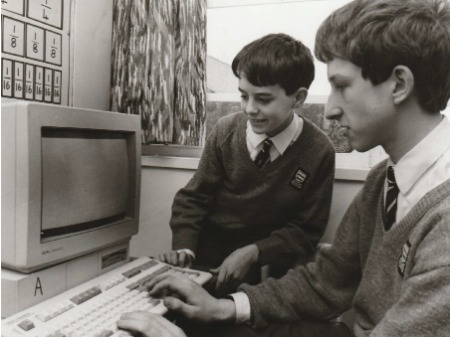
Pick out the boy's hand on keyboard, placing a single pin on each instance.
(235, 267)
(190, 299)
(149, 325)
(177, 258)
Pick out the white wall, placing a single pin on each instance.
(90, 57)
(159, 186)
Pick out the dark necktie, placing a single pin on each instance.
(390, 208)
(263, 157)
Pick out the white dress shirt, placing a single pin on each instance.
(281, 141)
(424, 167)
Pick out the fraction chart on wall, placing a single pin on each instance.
(35, 50)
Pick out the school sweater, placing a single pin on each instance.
(282, 208)
(398, 281)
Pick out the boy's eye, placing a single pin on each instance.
(339, 86)
(264, 100)
(261, 100)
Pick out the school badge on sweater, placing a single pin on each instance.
(299, 179)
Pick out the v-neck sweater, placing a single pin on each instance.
(397, 281)
(283, 208)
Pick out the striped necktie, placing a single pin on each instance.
(390, 204)
(263, 157)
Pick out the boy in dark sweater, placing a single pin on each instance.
(243, 209)
(388, 65)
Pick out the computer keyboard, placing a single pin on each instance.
(93, 308)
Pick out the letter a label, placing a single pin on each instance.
(38, 287)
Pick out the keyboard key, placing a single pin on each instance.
(86, 295)
(132, 272)
(49, 314)
(104, 333)
(26, 325)
(56, 334)
(148, 265)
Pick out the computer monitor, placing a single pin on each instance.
(70, 182)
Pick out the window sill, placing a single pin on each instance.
(190, 163)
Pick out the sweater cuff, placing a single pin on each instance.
(185, 239)
(268, 250)
(188, 252)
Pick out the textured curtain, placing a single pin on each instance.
(159, 68)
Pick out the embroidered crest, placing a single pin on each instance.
(299, 179)
(403, 257)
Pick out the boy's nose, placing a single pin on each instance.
(332, 112)
(332, 108)
(251, 108)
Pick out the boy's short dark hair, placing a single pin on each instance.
(378, 35)
(276, 59)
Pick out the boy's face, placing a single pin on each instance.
(364, 111)
(268, 109)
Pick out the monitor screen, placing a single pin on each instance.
(85, 180)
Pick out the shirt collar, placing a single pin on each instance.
(281, 141)
(422, 156)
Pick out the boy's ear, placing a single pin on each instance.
(300, 97)
(403, 84)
